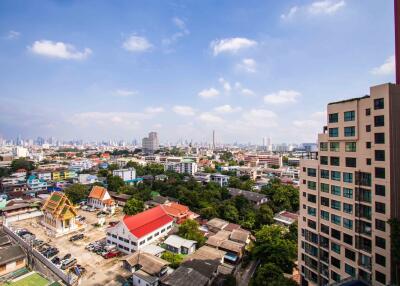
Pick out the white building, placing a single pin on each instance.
(100, 198)
(20, 152)
(220, 179)
(135, 232)
(179, 245)
(128, 175)
(87, 179)
(184, 167)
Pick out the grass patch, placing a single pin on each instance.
(31, 280)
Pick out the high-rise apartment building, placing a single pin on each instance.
(150, 143)
(349, 193)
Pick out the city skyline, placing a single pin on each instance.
(232, 68)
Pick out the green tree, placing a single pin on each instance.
(114, 183)
(4, 172)
(113, 167)
(133, 206)
(189, 229)
(102, 173)
(173, 258)
(273, 246)
(270, 274)
(230, 212)
(22, 163)
(77, 193)
(265, 215)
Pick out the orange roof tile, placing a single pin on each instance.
(97, 192)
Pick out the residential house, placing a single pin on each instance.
(120, 199)
(178, 212)
(255, 198)
(12, 259)
(134, 232)
(59, 215)
(35, 184)
(128, 175)
(234, 249)
(286, 218)
(100, 198)
(216, 224)
(146, 268)
(222, 180)
(179, 245)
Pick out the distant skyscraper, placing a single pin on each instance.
(213, 139)
(150, 143)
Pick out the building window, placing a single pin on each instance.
(368, 145)
(333, 117)
(350, 270)
(350, 254)
(323, 146)
(336, 205)
(349, 131)
(335, 247)
(380, 225)
(379, 103)
(368, 112)
(336, 277)
(348, 177)
(336, 219)
(368, 128)
(348, 193)
(380, 190)
(380, 277)
(324, 188)
(312, 224)
(347, 223)
(325, 229)
(335, 233)
(325, 215)
(380, 242)
(334, 146)
(379, 155)
(379, 138)
(325, 201)
(348, 239)
(351, 146)
(335, 262)
(312, 198)
(324, 160)
(324, 174)
(379, 121)
(335, 161)
(312, 185)
(363, 179)
(311, 172)
(380, 259)
(333, 132)
(379, 173)
(347, 208)
(335, 175)
(350, 115)
(368, 161)
(335, 190)
(380, 207)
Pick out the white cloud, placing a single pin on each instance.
(290, 14)
(208, 117)
(247, 65)
(242, 90)
(154, 110)
(316, 120)
(180, 24)
(183, 31)
(231, 45)
(387, 68)
(326, 6)
(125, 92)
(137, 44)
(108, 119)
(13, 35)
(209, 93)
(282, 97)
(225, 84)
(226, 109)
(183, 110)
(58, 50)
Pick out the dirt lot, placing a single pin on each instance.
(100, 271)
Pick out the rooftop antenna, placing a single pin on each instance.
(397, 38)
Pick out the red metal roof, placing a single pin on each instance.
(146, 222)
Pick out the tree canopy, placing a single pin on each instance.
(133, 206)
(189, 229)
(77, 193)
(22, 163)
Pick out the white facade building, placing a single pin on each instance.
(128, 175)
(184, 167)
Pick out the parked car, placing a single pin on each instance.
(51, 252)
(76, 237)
(66, 256)
(68, 263)
(111, 254)
(37, 242)
(85, 208)
(56, 260)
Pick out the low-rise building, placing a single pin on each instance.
(35, 184)
(286, 218)
(127, 175)
(253, 197)
(146, 269)
(222, 180)
(177, 244)
(12, 259)
(134, 232)
(187, 166)
(100, 198)
(178, 212)
(59, 215)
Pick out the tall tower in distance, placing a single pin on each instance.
(213, 140)
(349, 195)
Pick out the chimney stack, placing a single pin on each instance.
(397, 38)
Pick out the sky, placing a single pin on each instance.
(247, 69)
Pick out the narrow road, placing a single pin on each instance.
(243, 278)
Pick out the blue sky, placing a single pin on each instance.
(248, 69)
